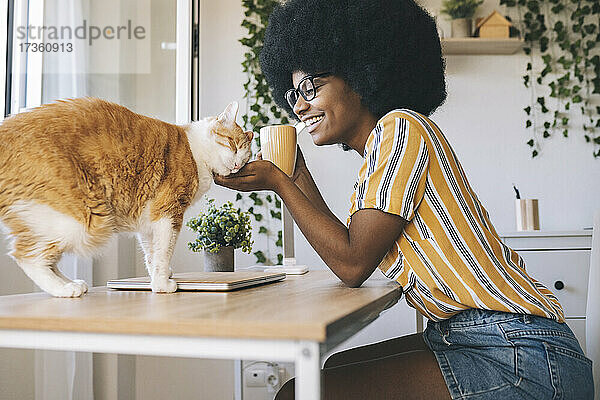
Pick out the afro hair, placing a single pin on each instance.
(387, 51)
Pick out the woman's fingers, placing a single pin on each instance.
(232, 182)
(255, 175)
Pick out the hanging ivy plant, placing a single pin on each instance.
(563, 72)
(260, 111)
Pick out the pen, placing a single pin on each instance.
(517, 191)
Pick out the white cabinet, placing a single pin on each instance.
(561, 261)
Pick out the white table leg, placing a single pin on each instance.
(238, 379)
(308, 371)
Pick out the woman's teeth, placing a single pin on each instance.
(313, 120)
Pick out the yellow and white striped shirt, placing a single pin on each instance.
(449, 257)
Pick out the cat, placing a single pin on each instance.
(74, 172)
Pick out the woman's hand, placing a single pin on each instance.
(256, 175)
(298, 168)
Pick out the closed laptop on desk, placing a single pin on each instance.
(208, 281)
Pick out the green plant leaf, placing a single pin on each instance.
(223, 226)
(546, 58)
(260, 257)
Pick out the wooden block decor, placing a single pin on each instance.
(493, 26)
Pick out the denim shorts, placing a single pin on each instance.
(496, 355)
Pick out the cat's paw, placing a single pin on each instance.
(163, 285)
(70, 289)
(82, 283)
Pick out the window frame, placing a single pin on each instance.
(23, 69)
(5, 46)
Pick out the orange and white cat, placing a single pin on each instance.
(74, 172)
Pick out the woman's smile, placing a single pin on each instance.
(314, 123)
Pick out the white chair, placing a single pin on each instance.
(592, 322)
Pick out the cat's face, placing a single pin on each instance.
(233, 144)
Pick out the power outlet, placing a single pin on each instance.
(255, 378)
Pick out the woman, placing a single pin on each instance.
(366, 74)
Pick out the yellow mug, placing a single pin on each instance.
(278, 144)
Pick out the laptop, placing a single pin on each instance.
(203, 281)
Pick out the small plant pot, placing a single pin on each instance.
(221, 261)
(461, 27)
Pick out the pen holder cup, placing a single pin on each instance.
(528, 218)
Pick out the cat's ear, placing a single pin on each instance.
(228, 116)
(250, 134)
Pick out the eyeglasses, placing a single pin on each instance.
(306, 88)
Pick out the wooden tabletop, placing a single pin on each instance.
(314, 306)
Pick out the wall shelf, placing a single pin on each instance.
(475, 45)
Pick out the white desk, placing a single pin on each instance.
(561, 261)
(296, 320)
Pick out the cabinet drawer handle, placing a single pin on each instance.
(559, 285)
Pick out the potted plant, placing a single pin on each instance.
(219, 232)
(460, 12)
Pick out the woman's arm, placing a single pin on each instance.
(304, 180)
(306, 184)
(351, 253)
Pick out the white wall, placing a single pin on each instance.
(484, 120)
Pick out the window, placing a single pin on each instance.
(135, 53)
